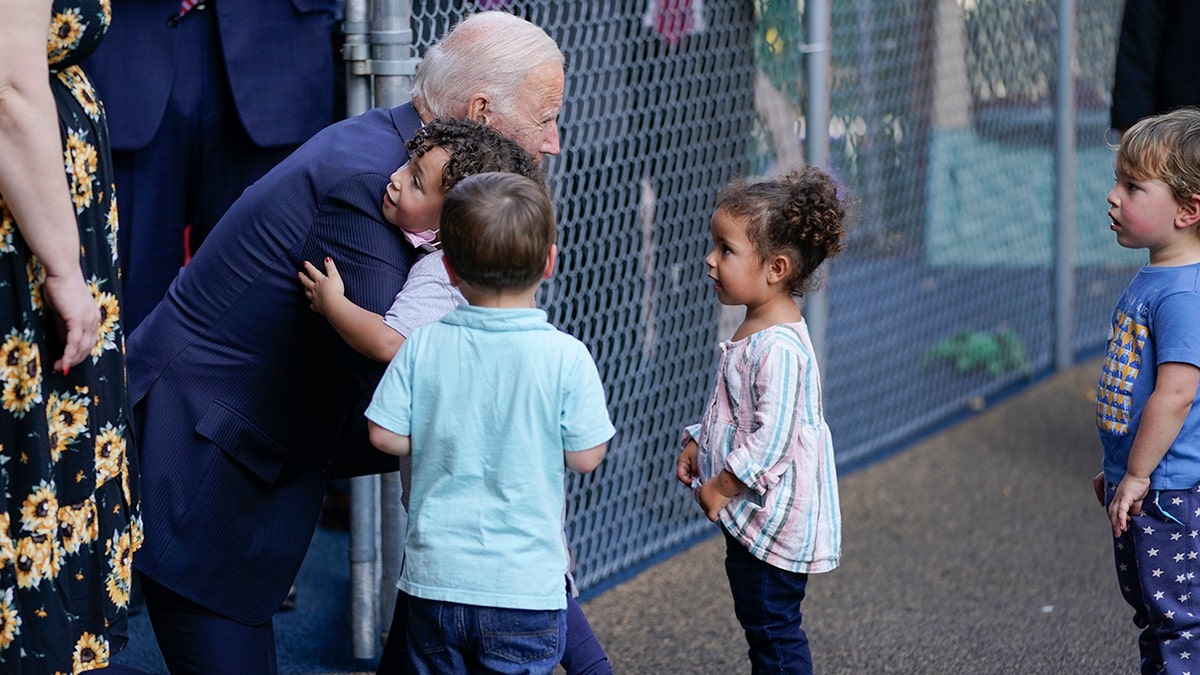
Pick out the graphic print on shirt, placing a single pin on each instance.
(1122, 361)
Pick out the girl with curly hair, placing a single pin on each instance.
(761, 461)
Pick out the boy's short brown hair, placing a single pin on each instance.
(497, 230)
(1164, 147)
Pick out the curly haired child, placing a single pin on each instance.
(441, 154)
(761, 460)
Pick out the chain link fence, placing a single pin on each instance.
(942, 134)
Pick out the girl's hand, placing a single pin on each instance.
(322, 289)
(718, 492)
(686, 470)
(1127, 502)
(77, 316)
(712, 501)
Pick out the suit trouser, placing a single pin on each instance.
(195, 640)
(198, 162)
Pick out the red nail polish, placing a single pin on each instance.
(327, 259)
(66, 370)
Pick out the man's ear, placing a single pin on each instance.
(551, 258)
(1189, 212)
(479, 109)
(778, 268)
(454, 280)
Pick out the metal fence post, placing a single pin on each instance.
(1064, 189)
(379, 68)
(364, 576)
(392, 65)
(816, 140)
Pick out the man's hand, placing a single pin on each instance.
(77, 316)
(1127, 502)
(686, 470)
(322, 289)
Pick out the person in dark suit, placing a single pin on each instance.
(199, 107)
(1156, 60)
(242, 394)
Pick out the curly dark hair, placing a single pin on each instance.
(473, 148)
(799, 215)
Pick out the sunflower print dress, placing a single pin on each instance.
(69, 514)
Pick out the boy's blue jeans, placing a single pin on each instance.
(447, 637)
(1158, 567)
(767, 600)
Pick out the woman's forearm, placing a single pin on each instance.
(32, 167)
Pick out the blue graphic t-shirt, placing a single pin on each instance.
(1157, 320)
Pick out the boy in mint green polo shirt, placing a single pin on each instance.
(485, 553)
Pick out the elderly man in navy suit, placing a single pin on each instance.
(242, 393)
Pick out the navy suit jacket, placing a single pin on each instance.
(1158, 60)
(278, 57)
(241, 392)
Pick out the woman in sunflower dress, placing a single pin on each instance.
(69, 517)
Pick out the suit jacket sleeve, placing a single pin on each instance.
(351, 206)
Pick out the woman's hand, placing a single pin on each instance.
(77, 316)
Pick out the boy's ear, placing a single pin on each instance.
(454, 280)
(479, 108)
(1189, 212)
(551, 258)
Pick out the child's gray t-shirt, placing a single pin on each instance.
(426, 297)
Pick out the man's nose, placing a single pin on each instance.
(551, 145)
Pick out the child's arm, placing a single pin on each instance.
(586, 461)
(388, 441)
(1163, 417)
(363, 330)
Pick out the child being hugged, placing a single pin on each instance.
(484, 561)
(761, 461)
(1145, 405)
(441, 154)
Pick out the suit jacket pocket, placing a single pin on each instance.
(243, 441)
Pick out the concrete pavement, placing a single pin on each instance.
(978, 550)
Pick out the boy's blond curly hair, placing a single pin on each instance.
(1164, 147)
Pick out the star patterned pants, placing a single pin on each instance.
(1158, 568)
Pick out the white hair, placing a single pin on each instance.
(490, 53)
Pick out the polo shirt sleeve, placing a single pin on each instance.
(585, 422)
(391, 406)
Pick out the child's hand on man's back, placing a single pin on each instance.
(321, 289)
